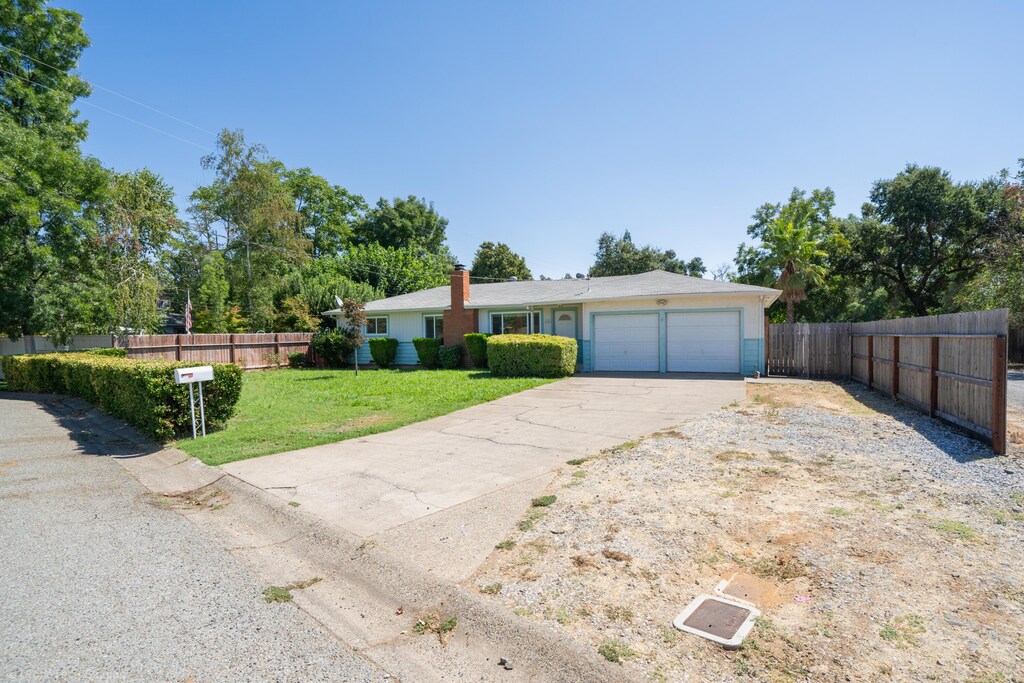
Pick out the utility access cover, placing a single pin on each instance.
(719, 620)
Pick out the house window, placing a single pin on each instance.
(522, 322)
(433, 326)
(377, 325)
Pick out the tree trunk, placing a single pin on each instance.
(790, 312)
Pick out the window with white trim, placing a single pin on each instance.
(433, 326)
(377, 325)
(516, 322)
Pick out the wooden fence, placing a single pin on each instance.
(251, 351)
(1015, 345)
(949, 366)
(819, 350)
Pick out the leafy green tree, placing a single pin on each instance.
(620, 256)
(794, 247)
(409, 223)
(249, 207)
(134, 229)
(211, 297)
(922, 237)
(394, 271)
(49, 192)
(328, 212)
(499, 262)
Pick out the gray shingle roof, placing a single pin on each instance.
(656, 283)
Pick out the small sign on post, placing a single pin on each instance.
(190, 376)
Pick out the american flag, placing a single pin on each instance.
(188, 313)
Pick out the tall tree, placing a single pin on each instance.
(499, 262)
(328, 212)
(620, 256)
(49, 192)
(394, 271)
(404, 223)
(249, 207)
(134, 229)
(794, 249)
(922, 236)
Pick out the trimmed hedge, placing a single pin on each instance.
(428, 351)
(451, 356)
(531, 355)
(476, 347)
(141, 393)
(113, 352)
(383, 350)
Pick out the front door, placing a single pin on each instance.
(565, 324)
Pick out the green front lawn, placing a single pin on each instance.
(282, 410)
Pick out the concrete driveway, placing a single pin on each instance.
(443, 491)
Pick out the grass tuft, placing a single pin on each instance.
(543, 501)
(615, 650)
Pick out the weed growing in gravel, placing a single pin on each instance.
(491, 589)
(559, 614)
(778, 568)
(956, 529)
(616, 555)
(625, 446)
(618, 613)
(525, 525)
(507, 544)
(543, 501)
(614, 650)
(576, 462)
(839, 512)
(294, 503)
(903, 631)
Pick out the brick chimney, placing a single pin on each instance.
(458, 321)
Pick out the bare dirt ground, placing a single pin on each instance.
(893, 544)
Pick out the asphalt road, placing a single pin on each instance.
(1015, 388)
(100, 582)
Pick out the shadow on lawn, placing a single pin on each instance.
(955, 442)
(93, 431)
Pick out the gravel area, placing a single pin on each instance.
(891, 544)
(103, 582)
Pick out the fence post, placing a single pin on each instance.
(999, 395)
(894, 383)
(871, 360)
(767, 348)
(933, 401)
(177, 352)
(231, 341)
(851, 355)
(277, 349)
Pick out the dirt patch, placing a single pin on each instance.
(885, 546)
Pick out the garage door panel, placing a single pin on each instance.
(703, 342)
(626, 343)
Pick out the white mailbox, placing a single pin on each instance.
(203, 373)
(190, 376)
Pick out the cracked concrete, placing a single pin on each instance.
(443, 491)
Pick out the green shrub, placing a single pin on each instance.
(383, 350)
(428, 351)
(297, 359)
(450, 357)
(531, 355)
(142, 393)
(476, 347)
(333, 346)
(113, 352)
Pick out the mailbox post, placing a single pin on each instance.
(191, 376)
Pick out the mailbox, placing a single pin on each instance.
(203, 373)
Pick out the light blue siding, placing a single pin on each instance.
(406, 354)
(584, 353)
(753, 356)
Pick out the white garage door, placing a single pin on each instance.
(626, 342)
(703, 342)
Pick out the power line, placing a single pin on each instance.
(104, 109)
(112, 92)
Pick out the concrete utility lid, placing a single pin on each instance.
(720, 620)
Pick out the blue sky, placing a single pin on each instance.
(544, 124)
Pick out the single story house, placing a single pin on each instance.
(651, 322)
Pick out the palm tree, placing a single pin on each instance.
(793, 243)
